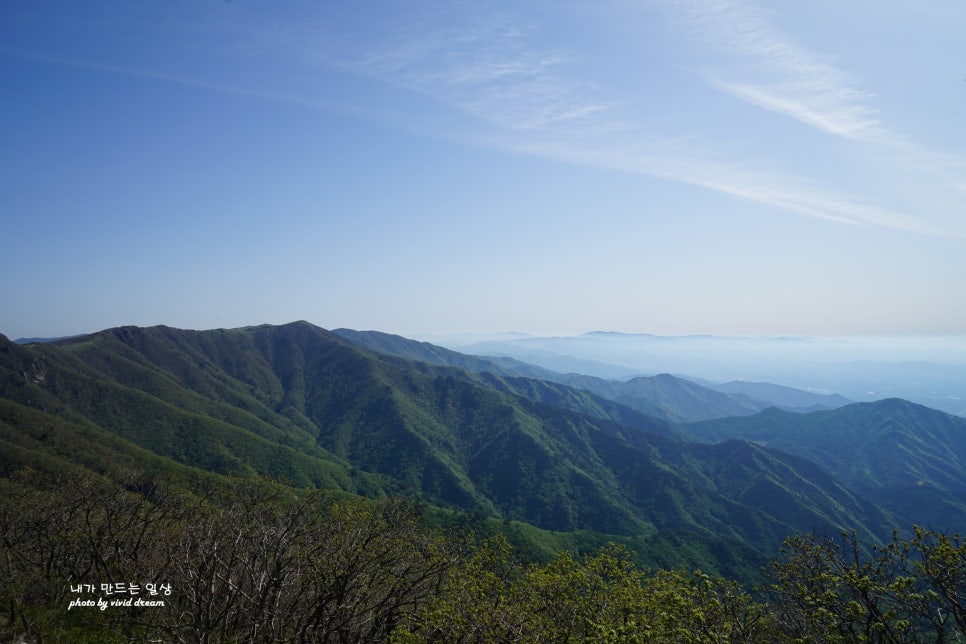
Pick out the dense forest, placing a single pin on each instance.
(137, 558)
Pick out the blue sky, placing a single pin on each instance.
(673, 167)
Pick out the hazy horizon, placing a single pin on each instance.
(927, 370)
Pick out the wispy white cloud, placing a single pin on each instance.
(496, 73)
(787, 193)
(829, 109)
(491, 72)
(824, 205)
(776, 73)
(772, 71)
(765, 67)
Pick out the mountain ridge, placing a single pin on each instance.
(306, 403)
(665, 396)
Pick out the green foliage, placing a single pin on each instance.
(256, 561)
(603, 598)
(246, 561)
(905, 591)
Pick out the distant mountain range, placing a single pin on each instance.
(664, 396)
(34, 340)
(375, 414)
(927, 370)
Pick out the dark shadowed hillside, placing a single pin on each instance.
(906, 455)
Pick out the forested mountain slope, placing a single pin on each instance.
(781, 396)
(303, 403)
(903, 454)
(663, 396)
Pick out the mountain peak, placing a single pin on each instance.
(893, 405)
